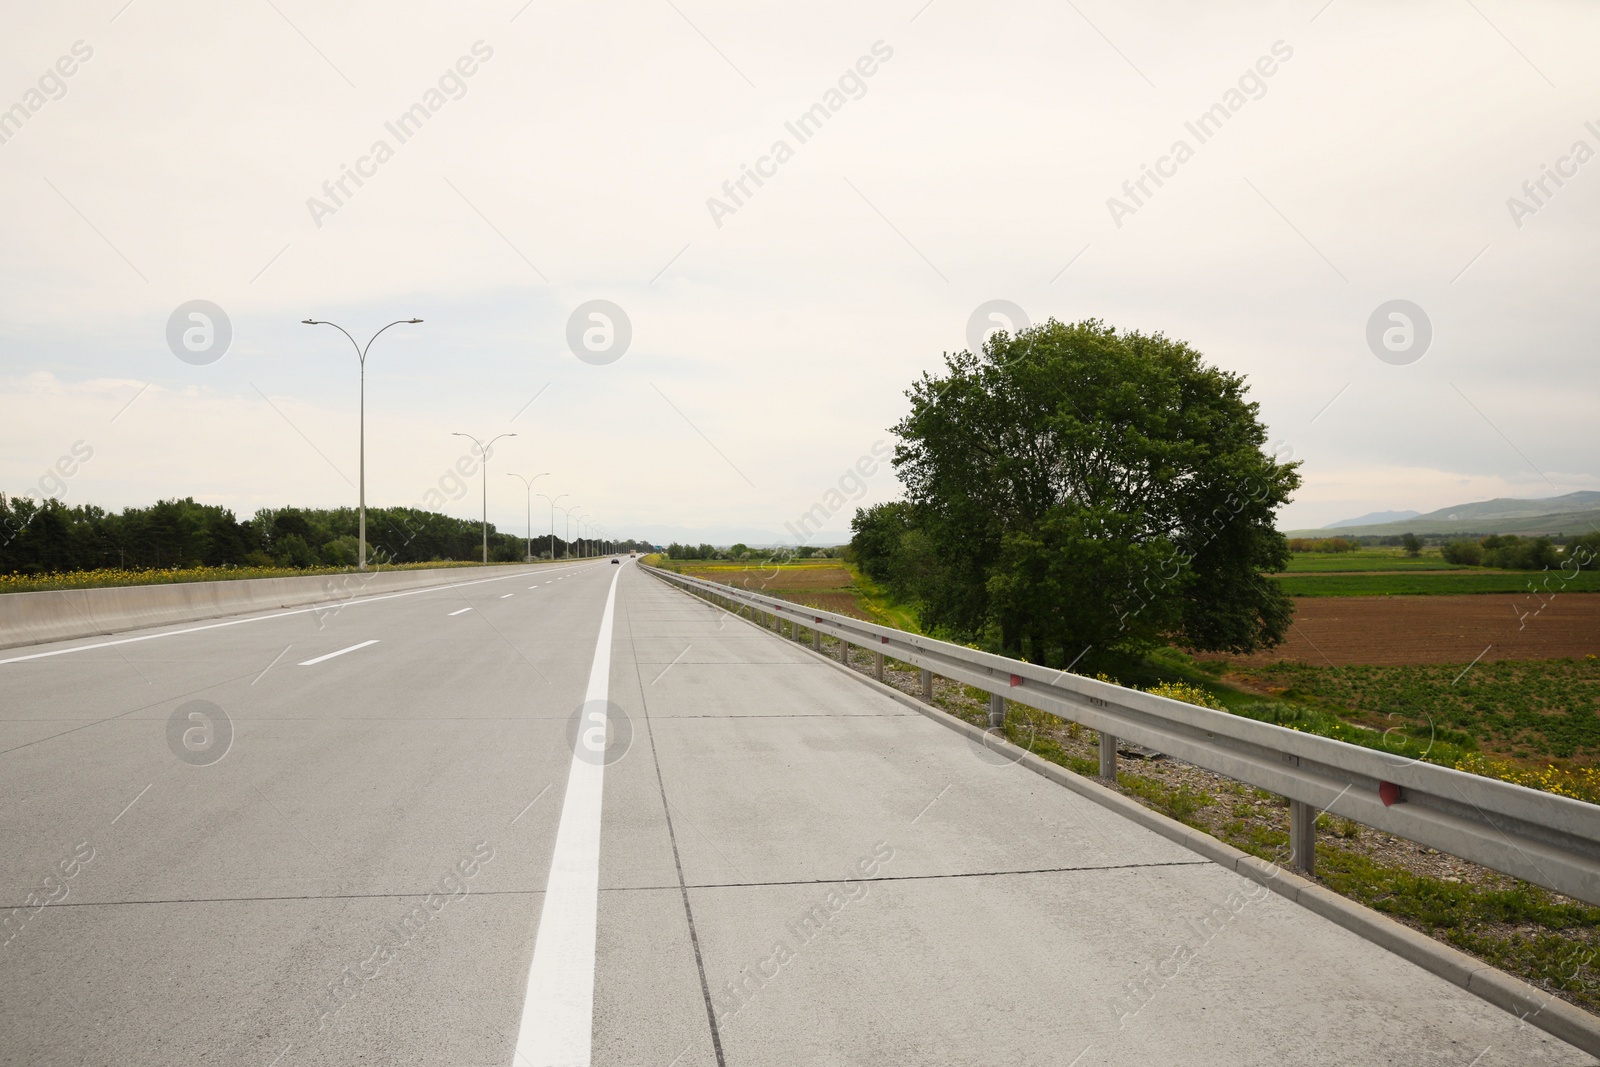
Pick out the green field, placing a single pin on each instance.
(1437, 583)
(1367, 559)
(1529, 710)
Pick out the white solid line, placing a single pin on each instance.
(342, 651)
(558, 1010)
(322, 606)
(455, 613)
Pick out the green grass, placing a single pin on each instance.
(1304, 709)
(1521, 709)
(1372, 559)
(875, 601)
(1438, 583)
(1560, 952)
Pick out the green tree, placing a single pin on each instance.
(1412, 544)
(291, 550)
(1076, 487)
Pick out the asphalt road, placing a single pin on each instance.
(570, 815)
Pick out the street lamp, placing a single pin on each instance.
(552, 523)
(361, 354)
(528, 482)
(483, 450)
(567, 511)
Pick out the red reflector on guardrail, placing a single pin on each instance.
(1389, 793)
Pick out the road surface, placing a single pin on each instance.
(570, 815)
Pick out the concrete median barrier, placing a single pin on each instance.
(66, 614)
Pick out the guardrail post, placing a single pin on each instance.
(1302, 836)
(844, 652)
(1108, 757)
(927, 687)
(816, 639)
(877, 665)
(997, 710)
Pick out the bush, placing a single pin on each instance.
(1584, 552)
(1469, 553)
(1510, 552)
(343, 552)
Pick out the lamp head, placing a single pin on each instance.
(311, 322)
(413, 320)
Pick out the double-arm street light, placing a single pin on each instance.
(528, 482)
(483, 450)
(552, 504)
(361, 354)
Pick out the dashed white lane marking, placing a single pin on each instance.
(461, 611)
(330, 655)
(558, 1010)
(504, 595)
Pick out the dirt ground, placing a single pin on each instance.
(762, 577)
(1388, 630)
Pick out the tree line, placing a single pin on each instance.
(45, 537)
(745, 552)
(1510, 552)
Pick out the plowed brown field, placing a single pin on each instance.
(1385, 630)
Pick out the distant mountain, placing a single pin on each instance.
(1572, 513)
(1373, 518)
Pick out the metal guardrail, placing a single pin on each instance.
(1543, 838)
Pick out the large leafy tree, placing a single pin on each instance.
(1074, 487)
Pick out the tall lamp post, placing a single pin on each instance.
(528, 482)
(361, 355)
(567, 511)
(483, 450)
(552, 504)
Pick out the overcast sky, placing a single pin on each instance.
(773, 333)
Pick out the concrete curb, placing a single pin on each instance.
(1552, 1015)
(70, 614)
